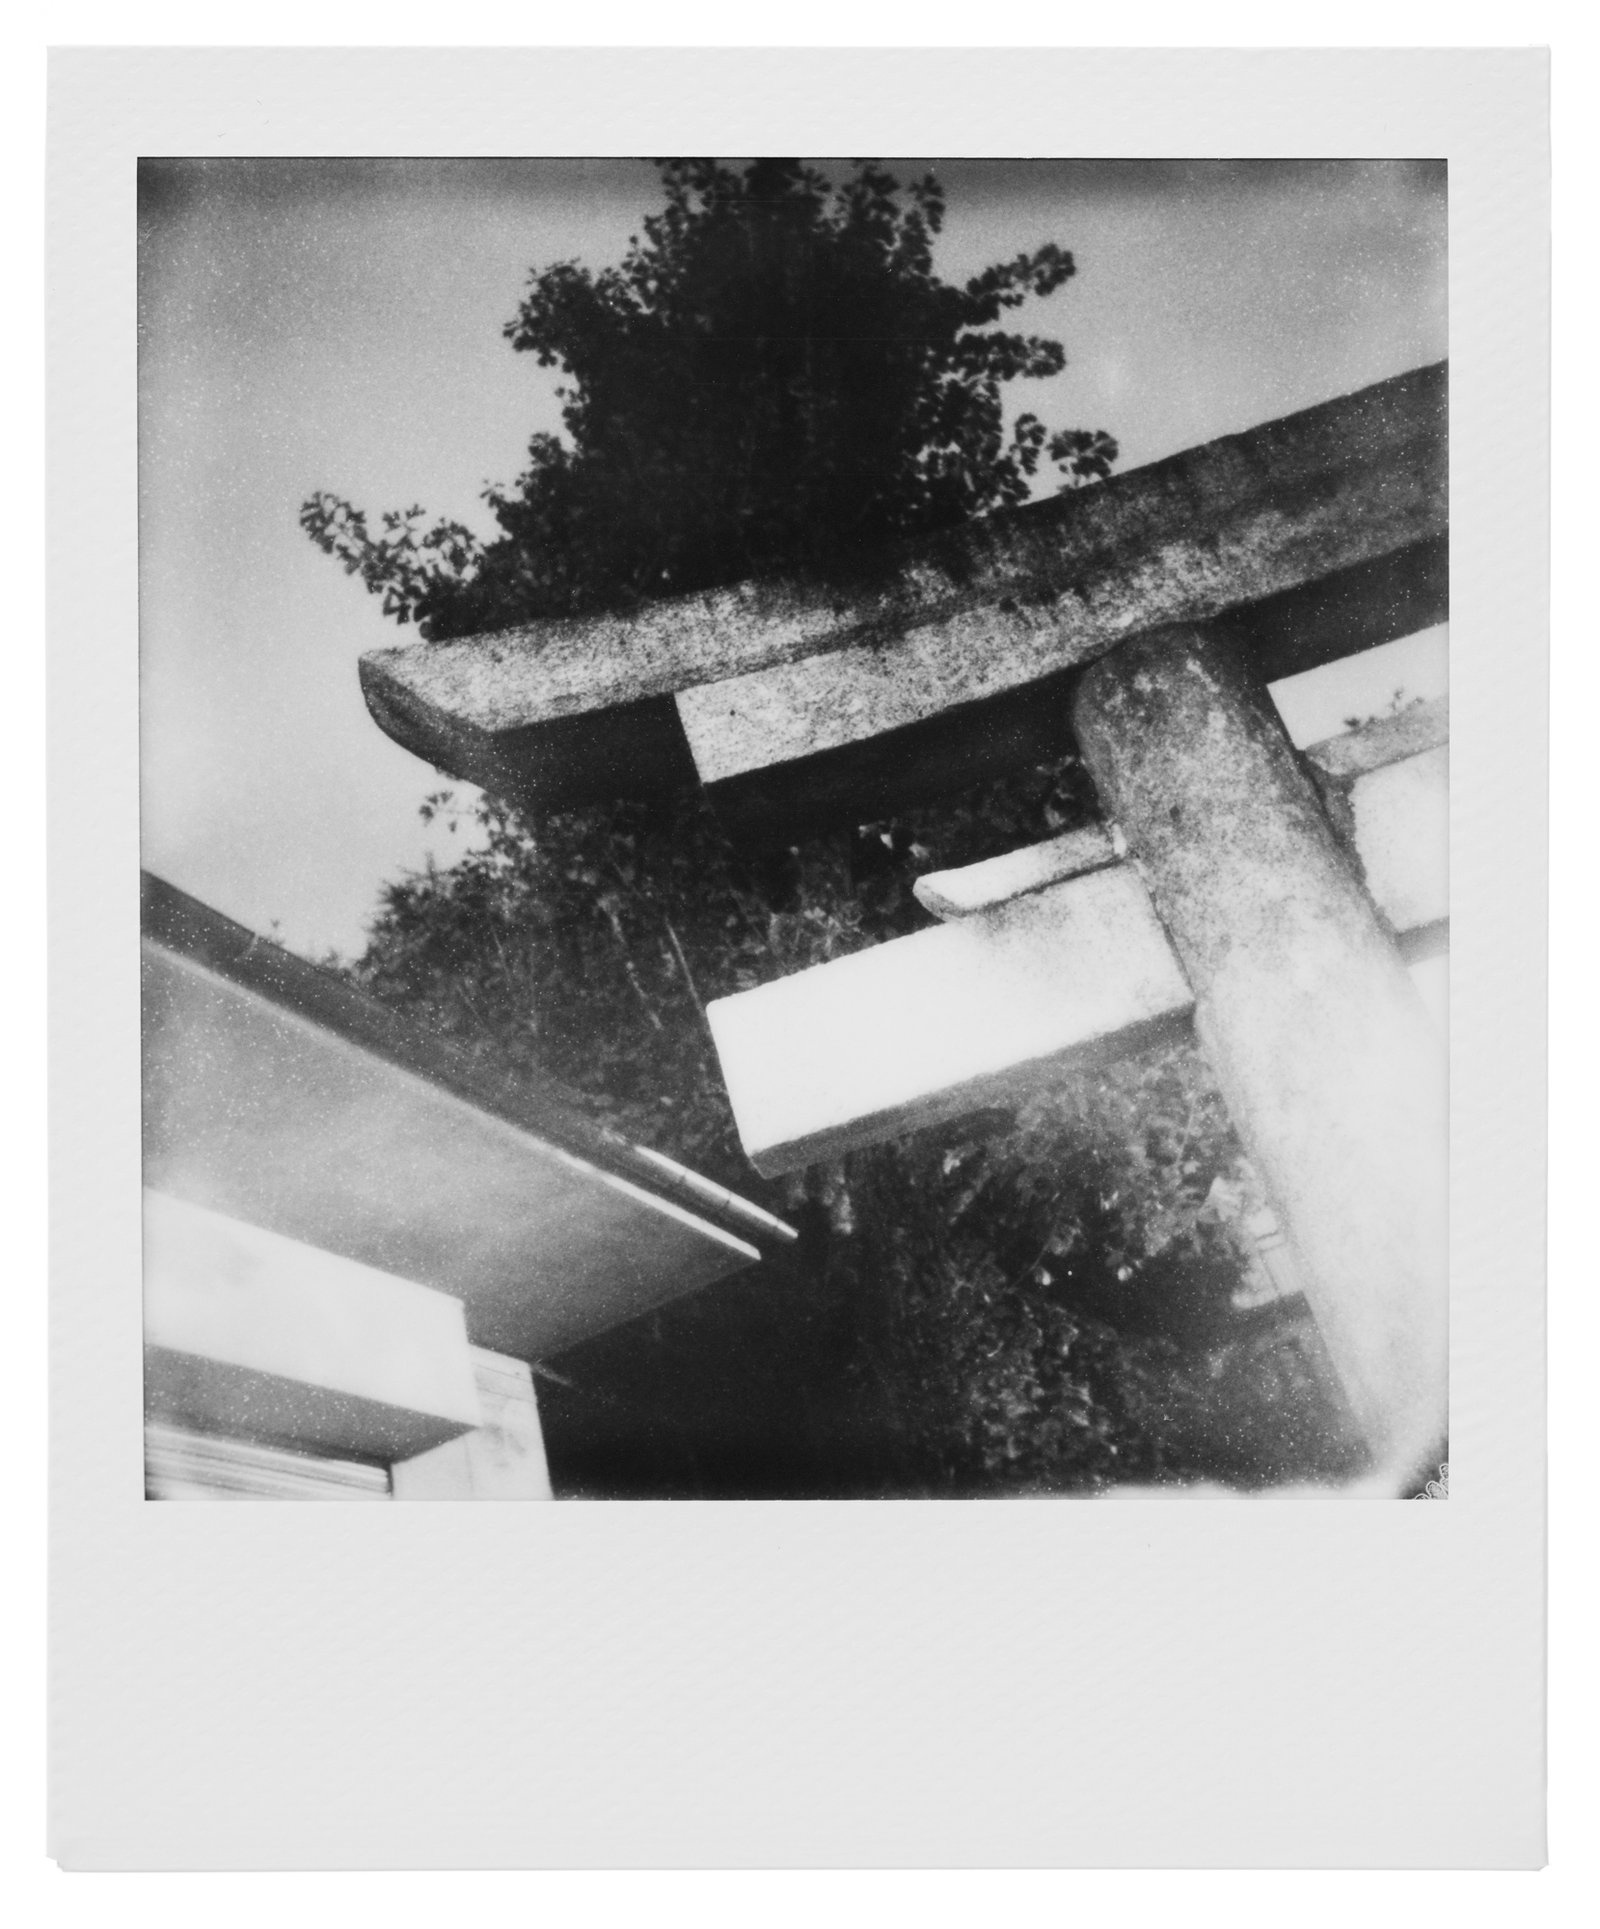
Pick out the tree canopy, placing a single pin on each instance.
(774, 372)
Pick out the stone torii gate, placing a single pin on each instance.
(1272, 899)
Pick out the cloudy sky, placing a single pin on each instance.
(337, 325)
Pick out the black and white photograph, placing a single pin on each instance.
(803, 790)
(795, 826)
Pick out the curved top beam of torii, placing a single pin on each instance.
(931, 664)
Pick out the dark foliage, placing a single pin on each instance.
(774, 373)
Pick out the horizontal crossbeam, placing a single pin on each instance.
(1337, 762)
(944, 657)
(1023, 986)
(997, 880)
(946, 1021)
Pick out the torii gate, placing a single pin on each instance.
(1273, 900)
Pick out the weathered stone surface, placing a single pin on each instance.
(630, 750)
(252, 1334)
(966, 743)
(1337, 616)
(1422, 726)
(864, 689)
(980, 887)
(1333, 1074)
(852, 1052)
(1388, 785)
(1401, 814)
(965, 616)
(927, 1027)
(1227, 548)
(1386, 789)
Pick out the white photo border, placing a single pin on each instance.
(1280, 1683)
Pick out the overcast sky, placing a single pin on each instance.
(337, 325)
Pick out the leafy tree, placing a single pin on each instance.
(774, 372)
(1029, 1300)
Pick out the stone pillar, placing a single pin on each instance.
(1335, 1079)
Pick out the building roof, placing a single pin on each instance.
(277, 1093)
